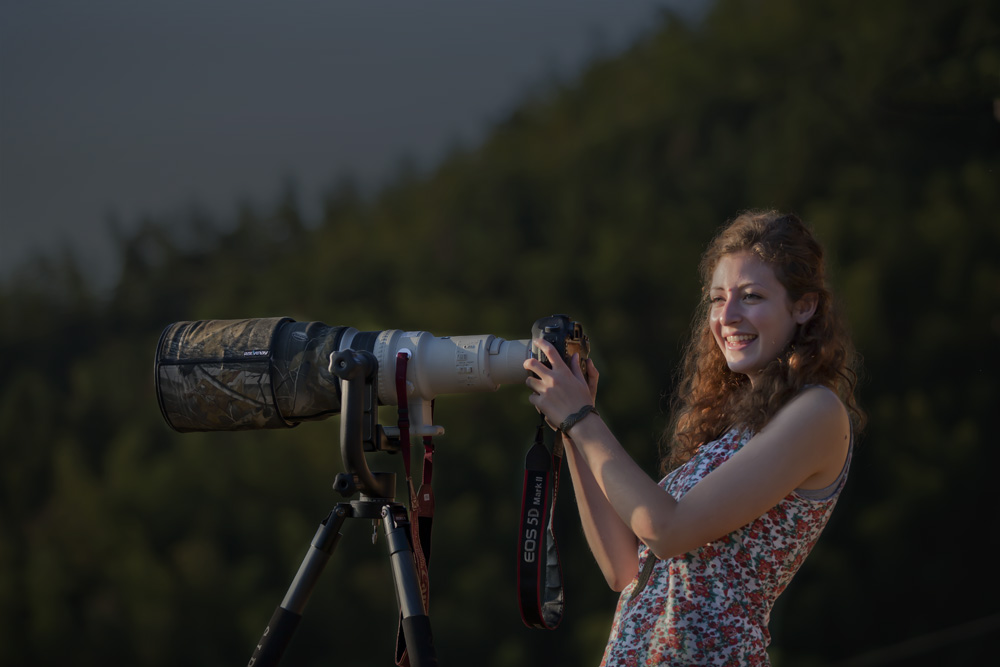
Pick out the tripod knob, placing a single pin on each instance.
(345, 484)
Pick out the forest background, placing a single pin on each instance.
(122, 542)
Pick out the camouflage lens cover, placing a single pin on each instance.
(215, 375)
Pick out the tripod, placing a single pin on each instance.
(358, 430)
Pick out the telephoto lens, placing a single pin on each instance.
(229, 375)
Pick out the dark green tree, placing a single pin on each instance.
(123, 542)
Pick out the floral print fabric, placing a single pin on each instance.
(711, 606)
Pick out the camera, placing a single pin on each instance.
(565, 335)
(228, 375)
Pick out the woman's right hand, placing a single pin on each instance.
(560, 389)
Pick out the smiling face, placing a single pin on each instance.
(751, 316)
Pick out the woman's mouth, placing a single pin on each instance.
(738, 340)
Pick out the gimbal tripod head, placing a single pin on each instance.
(359, 428)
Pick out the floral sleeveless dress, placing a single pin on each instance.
(711, 606)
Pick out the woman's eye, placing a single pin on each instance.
(750, 296)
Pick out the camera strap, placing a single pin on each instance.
(421, 501)
(540, 589)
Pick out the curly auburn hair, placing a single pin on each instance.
(710, 398)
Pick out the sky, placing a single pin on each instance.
(122, 109)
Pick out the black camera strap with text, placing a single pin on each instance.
(540, 590)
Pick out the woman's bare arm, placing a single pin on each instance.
(805, 441)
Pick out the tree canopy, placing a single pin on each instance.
(122, 542)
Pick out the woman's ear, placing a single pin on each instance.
(805, 308)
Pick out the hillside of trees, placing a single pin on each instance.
(123, 542)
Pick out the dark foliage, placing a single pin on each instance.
(124, 543)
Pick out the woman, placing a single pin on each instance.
(761, 440)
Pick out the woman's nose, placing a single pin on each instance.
(731, 312)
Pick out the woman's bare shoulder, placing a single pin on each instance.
(815, 402)
(817, 422)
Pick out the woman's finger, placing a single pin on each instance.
(592, 376)
(551, 353)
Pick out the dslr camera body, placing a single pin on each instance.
(565, 335)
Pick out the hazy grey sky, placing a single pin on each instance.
(144, 108)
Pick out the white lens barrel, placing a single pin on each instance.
(443, 365)
(448, 365)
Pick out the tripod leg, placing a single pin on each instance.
(415, 621)
(286, 617)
